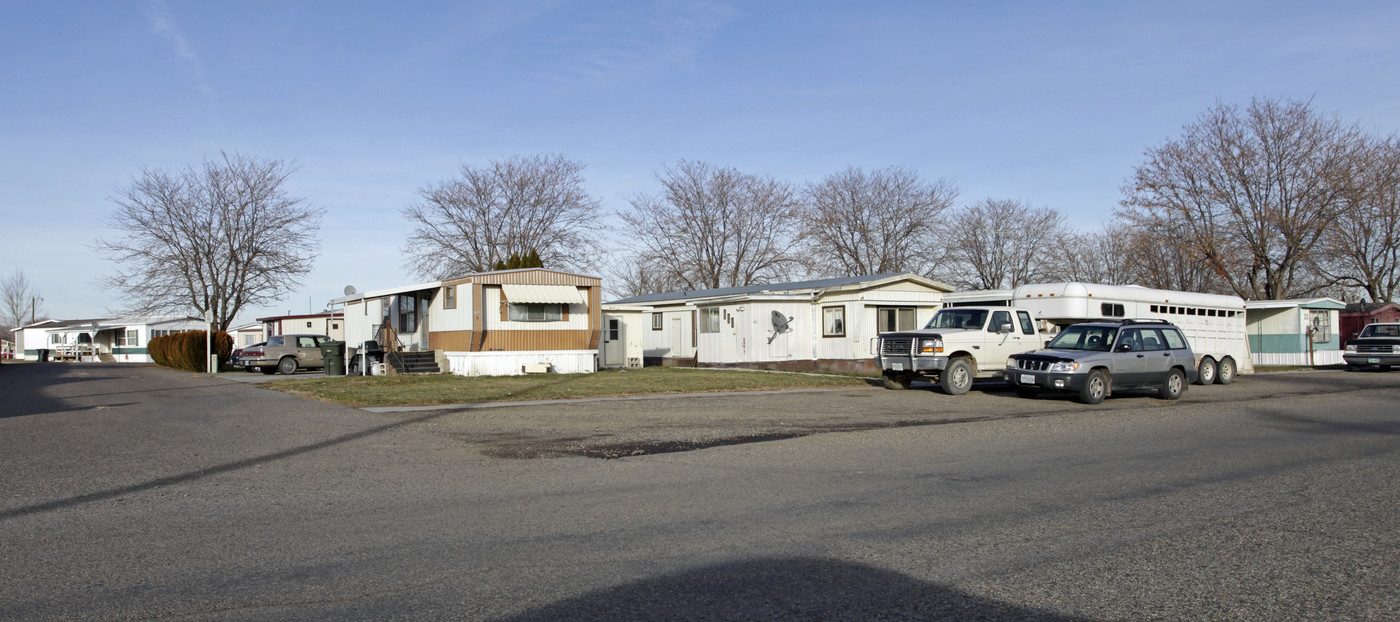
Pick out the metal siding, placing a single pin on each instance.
(522, 340)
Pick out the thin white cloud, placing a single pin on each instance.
(163, 25)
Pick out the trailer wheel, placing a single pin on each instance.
(1226, 375)
(1206, 372)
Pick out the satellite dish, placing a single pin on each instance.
(780, 322)
(349, 290)
(780, 325)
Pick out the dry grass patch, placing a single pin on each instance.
(362, 391)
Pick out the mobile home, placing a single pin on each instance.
(1295, 332)
(493, 323)
(817, 324)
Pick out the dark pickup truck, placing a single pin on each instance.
(1378, 345)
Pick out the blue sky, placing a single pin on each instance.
(1052, 103)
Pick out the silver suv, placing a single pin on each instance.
(286, 354)
(1096, 358)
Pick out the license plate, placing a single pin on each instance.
(897, 366)
(1373, 360)
(1027, 379)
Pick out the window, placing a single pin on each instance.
(1027, 327)
(54, 338)
(308, 324)
(614, 329)
(895, 319)
(1174, 339)
(449, 297)
(709, 320)
(128, 338)
(656, 320)
(275, 342)
(408, 318)
(998, 319)
(306, 342)
(1109, 309)
(833, 321)
(535, 312)
(1321, 325)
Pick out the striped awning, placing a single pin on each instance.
(548, 294)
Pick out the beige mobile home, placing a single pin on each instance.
(493, 323)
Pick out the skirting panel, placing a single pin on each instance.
(1320, 357)
(515, 363)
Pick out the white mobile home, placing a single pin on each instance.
(121, 340)
(1295, 332)
(817, 324)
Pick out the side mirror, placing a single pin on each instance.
(1125, 347)
(1003, 328)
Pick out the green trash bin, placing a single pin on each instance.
(333, 355)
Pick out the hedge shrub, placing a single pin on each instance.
(187, 350)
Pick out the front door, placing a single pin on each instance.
(614, 345)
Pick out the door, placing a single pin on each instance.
(998, 346)
(308, 351)
(614, 343)
(1130, 363)
(677, 344)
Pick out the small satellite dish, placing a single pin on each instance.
(780, 322)
(349, 290)
(780, 325)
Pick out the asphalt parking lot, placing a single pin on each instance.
(134, 492)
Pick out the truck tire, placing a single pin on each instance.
(897, 382)
(1206, 372)
(956, 379)
(1095, 387)
(1226, 374)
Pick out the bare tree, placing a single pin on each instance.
(217, 237)
(871, 223)
(1095, 257)
(1161, 256)
(1361, 250)
(715, 227)
(1001, 243)
(508, 207)
(1250, 193)
(19, 301)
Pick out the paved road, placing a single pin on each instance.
(142, 493)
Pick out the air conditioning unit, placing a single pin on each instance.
(535, 368)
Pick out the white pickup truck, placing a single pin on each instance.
(958, 345)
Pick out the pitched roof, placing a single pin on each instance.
(793, 286)
(1367, 307)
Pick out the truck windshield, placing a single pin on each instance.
(1381, 330)
(1085, 338)
(959, 318)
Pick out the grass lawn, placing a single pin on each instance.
(364, 391)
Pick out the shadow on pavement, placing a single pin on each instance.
(801, 588)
